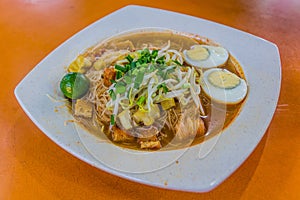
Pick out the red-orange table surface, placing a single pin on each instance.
(33, 167)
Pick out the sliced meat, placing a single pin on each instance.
(189, 124)
(201, 127)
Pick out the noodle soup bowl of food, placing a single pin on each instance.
(145, 92)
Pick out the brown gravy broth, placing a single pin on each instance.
(179, 41)
(151, 39)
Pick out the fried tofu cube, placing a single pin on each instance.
(150, 145)
(119, 135)
(150, 142)
(168, 103)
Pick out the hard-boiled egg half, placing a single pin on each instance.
(205, 56)
(223, 86)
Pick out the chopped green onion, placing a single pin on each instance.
(145, 52)
(143, 69)
(120, 68)
(119, 75)
(165, 75)
(112, 120)
(129, 58)
(130, 97)
(144, 65)
(128, 79)
(142, 60)
(164, 87)
(139, 79)
(160, 73)
(112, 94)
(145, 56)
(135, 71)
(148, 59)
(154, 53)
(120, 87)
(113, 81)
(137, 64)
(128, 94)
(151, 68)
(161, 67)
(176, 62)
(169, 71)
(132, 65)
(129, 73)
(186, 85)
(141, 100)
(122, 83)
(161, 60)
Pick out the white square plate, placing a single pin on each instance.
(199, 168)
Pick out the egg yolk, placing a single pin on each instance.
(198, 53)
(223, 79)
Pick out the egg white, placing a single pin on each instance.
(217, 56)
(222, 95)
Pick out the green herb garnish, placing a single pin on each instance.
(169, 71)
(120, 68)
(139, 79)
(129, 58)
(145, 57)
(161, 60)
(112, 81)
(112, 120)
(160, 73)
(154, 54)
(119, 75)
(145, 52)
(141, 101)
(186, 85)
(112, 94)
(132, 65)
(128, 79)
(120, 87)
(164, 87)
(176, 62)
(151, 68)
